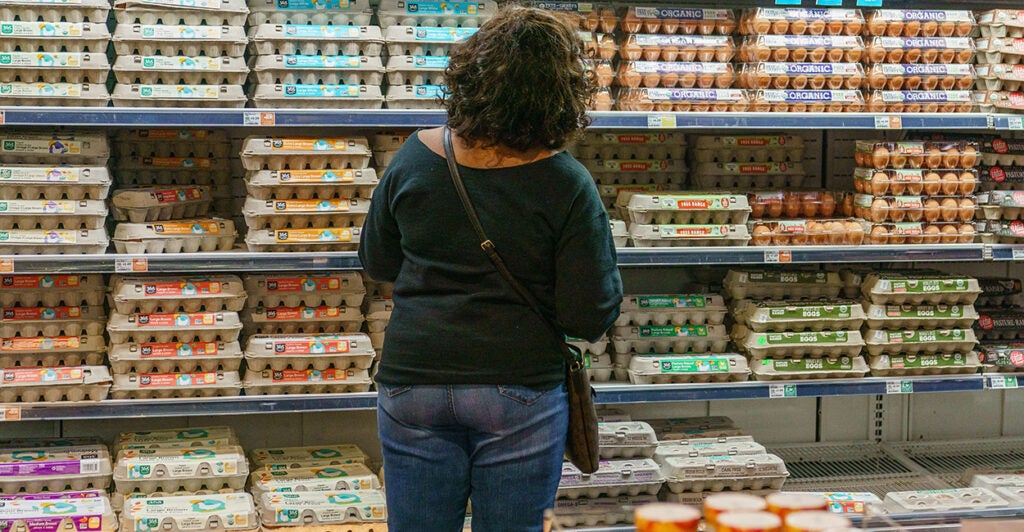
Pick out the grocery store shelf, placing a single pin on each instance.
(675, 256)
(654, 120)
(1006, 252)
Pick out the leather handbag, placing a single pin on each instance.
(581, 442)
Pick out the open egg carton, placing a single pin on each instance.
(176, 385)
(902, 502)
(775, 284)
(798, 345)
(675, 309)
(303, 320)
(614, 478)
(168, 294)
(781, 316)
(54, 67)
(747, 175)
(304, 239)
(170, 357)
(649, 368)
(210, 511)
(734, 473)
(268, 185)
(52, 351)
(352, 510)
(601, 511)
(52, 321)
(54, 183)
(181, 236)
(27, 290)
(305, 381)
(174, 327)
(335, 289)
(828, 367)
(319, 352)
(908, 317)
(670, 338)
(55, 469)
(54, 384)
(190, 469)
(297, 213)
(434, 14)
(891, 365)
(746, 149)
(347, 477)
(52, 214)
(150, 204)
(920, 341)
(1007, 358)
(277, 459)
(919, 288)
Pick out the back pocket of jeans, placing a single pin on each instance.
(521, 394)
(393, 391)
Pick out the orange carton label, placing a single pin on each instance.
(175, 195)
(178, 162)
(312, 235)
(40, 313)
(302, 284)
(177, 319)
(15, 376)
(178, 349)
(314, 205)
(187, 228)
(316, 176)
(308, 375)
(312, 346)
(177, 380)
(181, 288)
(19, 282)
(40, 343)
(301, 313)
(172, 134)
(335, 144)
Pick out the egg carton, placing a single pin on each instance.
(913, 182)
(429, 13)
(416, 70)
(188, 96)
(893, 365)
(149, 470)
(69, 37)
(600, 368)
(294, 213)
(171, 70)
(75, 468)
(220, 182)
(173, 140)
(52, 359)
(771, 284)
(607, 171)
(914, 22)
(1000, 77)
(683, 100)
(303, 320)
(55, 241)
(626, 439)
(414, 97)
(814, 101)
(288, 39)
(720, 473)
(54, 68)
(613, 478)
(300, 381)
(747, 148)
(802, 76)
(965, 499)
(849, 231)
(316, 96)
(1002, 152)
(910, 155)
(645, 176)
(920, 316)
(317, 69)
(998, 324)
(174, 327)
(296, 153)
(840, 367)
(184, 357)
(708, 447)
(626, 145)
(156, 439)
(53, 183)
(672, 48)
(1001, 231)
(317, 352)
(52, 321)
(592, 348)
(994, 481)
(347, 477)
(920, 102)
(322, 509)
(748, 181)
(998, 50)
(996, 101)
(688, 235)
(85, 11)
(606, 511)
(38, 149)
(52, 214)
(927, 50)
(356, 13)
(684, 424)
(620, 234)
(765, 316)
(410, 40)
(41, 348)
(922, 341)
(999, 291)
(35, 511)
(668, 74)
(797, 21)
(51, 290)
(275, 459)
(313, 239)
(157, 161)
(52, 385)
(184, 236)
(307, 184)
(687, 368)
(798, 345)
(379, 310)
(1002, 358)
(894, 77)
(685, 208)
(201, 510)
(46, 94)
(923, 288)
(226, 13)
(674, 309)
(175, 40)
(1001, 178)
(170, 293)
(176, 385)
(674, 338)
(802, 48)
(337, 289)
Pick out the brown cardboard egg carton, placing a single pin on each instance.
(77, 12)
(416, 70)
(291, 39)
(670, 338)
(56, 67)
(55, 469)
(52, 214)
(922, 341)
(301, 153)
(54, 384)
(656, 171)
(330, 70)
(1000, 77)
(910, 317)
(734, 473)
(303, 320)
(174, 327)
(149, 204)
(295, 213)
(191, 469)
(316, 239)
(998, 50)
(176, 513)
(334, 289)
(173, 357)
(222, 13)
(411, 40)
(28, 290)
(176, 385)
(307, 184)
(147, 294)
(275, 459)
(317, 96)
(687, 368)
(798, 345)
(183, 236)
(614, 478)
(72, 37)
(316, 352)
(899, 365)
(765, 316)
(176, 140)
(1001, 23)
(189, 96)
(304, 381)
(53, 242)
(171, 70)
(32, 182)
(747, 148)
(323, 511)
(52, 321)
(924, 288)
(354, 13)
(771, 284)
(414, 97)
(842, 367)
(174, 40)
(675, 309)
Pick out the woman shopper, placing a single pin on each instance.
(471, 396)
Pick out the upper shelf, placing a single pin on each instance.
(145, 117)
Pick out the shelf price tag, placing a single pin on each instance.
(10, 413)
(888, 122)
(781, 391)
(899, 387)
(3, 117)
(254, 118)
(1003, 382)
(661, 121)
(772, 256)
(1015, 122)
(1017, 253)
(130, 265)
(6, 265)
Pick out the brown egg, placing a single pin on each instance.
(896, 212)
(810, 206)
(912, 28)
(630, 78)
(630, 50)
(951, 158)
(915, 160)
(876, 27)
(652, 79)
(688, 27)
(799, 55)
(964, 56)
(780, 238)
(930, 28)
(964, 29)
(966, 209)
(946, 28)
(949, 209)
(602, 101)
(836, 55)
(651, 53)
(608, 22)
(967, 233)
(912, 82)
(853, 233)
(931, 234)
(724, 80)
(877, 80)
(897, 187)
(932, 183)
(879, 235)
(947, 56)
(913, 108)
(914, 186)
(798, 239)
(912, 55)
(965, 83)
(914, 213)
(847, 205)
(799, 82)
(932, 157)
(853, 55)
(669, 26)
(880, 157)
(652, 25)
(688, 80)
(798, 27)
(835, 233)
(967, 183)
(950, 183)
(762, 235)
(879, 183)
(780, 27)
(949, 234)
(894, 56)
(817, 107)
(915, 238)
(895, 108)
(898, 160)
(682, 107)
(894, 29)
(774, 208)
(670, 79)
(879, 211)
(931, 210)
(929, 56)
(933, 107)
(762, 26)
(817, 55)
(968, 157)
(853, 27)
(816, 27)
(817, 232)
(897, 236)
(780, 55)
(876, 54)
(816, 82)
(781, 81)
(896, 83)
(947, 83)
(828, 204)
(631, 23)
(834, 27)
(591, 21)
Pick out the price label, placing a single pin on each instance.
(130, 265)
(3, 117)
(1018, 253)
(252, 118)
(777, 256)
(781, 391)
(6, 265)
(1002, 382)
(661, 121)
(888, 122)
(899, 387)
(10, 413)
(1015, 122)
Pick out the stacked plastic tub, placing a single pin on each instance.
(54, 53)
(175, 336)
(53, 190)
(314, 55)
(180, 53)
(304, 334)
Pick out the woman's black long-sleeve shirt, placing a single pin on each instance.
(456, 320)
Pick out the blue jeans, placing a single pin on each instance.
(499, 446)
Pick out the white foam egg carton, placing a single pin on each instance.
(769, 284)
(314, 69)
(148, 294)
(174, 327)
(170, 357)
(674, 338)
(274, 459)
(52, 321)
(347, 477)
(354, 13)
(54, 182)
(414, 96)
(303, 381)
(35, 511)
(170, 70)
(938, 364)
(688, 235)
(747, 148)
(64, 148)
(299, 96)
(798, 345)
(626, 439)
(411, 40)
(432, 13)
(765, 316)
(303, 39)
(176, 385)
(202, 13)
(319, 352)
(53, 242)
(193, 468)
(307, 184)
(298, 153)
(29, 290)
(687, 368)
(53, 384)
(189, 96)
(184, 236)
(296, 213)
(49, 35)
(56, 469)
(901, 502)
(613, 478)
(335, 289)
(198, 510)
(920, 316)
(919, 341)
(55, 67)
(416, 70)
(85, 10)
(303, 320)
(898, 288)
(774, 369)
(46, 94)
(313, 239)
(322, 510)
(606, 511)
(149, 204)
(719, 473)
(175, 40)
(52, 214)
(710, 447)
(683, 208)
(672, 309)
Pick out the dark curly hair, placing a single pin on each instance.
(520, 81)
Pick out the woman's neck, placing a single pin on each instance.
(475, 154)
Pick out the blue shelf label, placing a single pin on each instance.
(869, 3)
(787, 2)
(829, 3)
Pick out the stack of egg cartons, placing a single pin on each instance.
(633, 161)
(315, 54)
(919, 323)
(180, 53)
(920, 61)
(377, 308)
(385, 147)
(419, 35)
(53, 191)
(1001, 184)
(169, 169)
(306, 193)
(54, 53)
(52, 338)
(999, 55)
(303, 334)
(35, 511)
(803, 60)
(1000, 295)
(175, 336)
(1002, 164)
(792, 326)
(71, 475)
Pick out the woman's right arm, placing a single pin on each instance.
(380, 245)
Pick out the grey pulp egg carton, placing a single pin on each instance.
(73, 12)
(307, 184)
(174, 327)
(54, 183)
(901, 502)
(52, 385)
(765, 316)
(994, 481)
(51, 290)
(1001, 232)
(298, 96)
(334, 289)
(322, 510)
(34, 511)
(770, 284)
(802, 344)
(600, 368)
(655, 171)
(592, 348)
(303, 320)
(176, 385)
(53, 241)
(688, 235)
(170, 70)
(675, 338)
(304, 381)
(685, 208)
(754, 176)
(921, 341)
(52, 321)
(189, 96)
(178, 513)
(626, 439)
(696, 449)
(347, 477)
(1001, 204)
(300, 153)
(193, 468)
(411, 40)
(898, 288)
(747, 148)
(682, 424)
(1001, 178)
(71, 37)
(689, 439)
(996, 324)
(289, 39)
(620, 233)
(149, 204)
(173, 139)
(719, 473)
(313, 239)
(275, 459)
(606, 511)
(170, 357)
(686, 368)
(1013, 494)
(175, 40)
(52, 351)
(318, 352)
(414, 96)
(55, 469)
(1002, 358)
(129, 293)
(149, 438)
(614, 478)
(378, 311)
(45, 94)
(222, 13)
(69, 67)
(841, 367)
(940, 364)
(313, 69)
(52, 214)
(920, 316)
(998, 50)
(433, 13)
(416, 70)
(1000, 77)
(295, 213)
(336, 13)
(182, 236)
(631, 145)
(64, 148)
(1001, 23)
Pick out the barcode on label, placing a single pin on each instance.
(88, 467)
